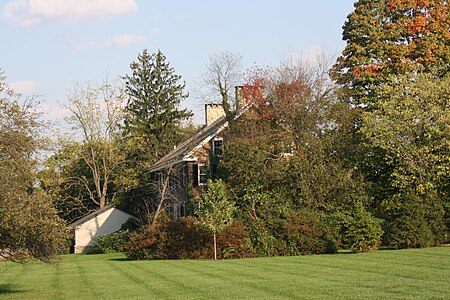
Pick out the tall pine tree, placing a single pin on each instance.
(152, 112)
(152, 124)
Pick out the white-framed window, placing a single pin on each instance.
(218, 147)
(203, 171)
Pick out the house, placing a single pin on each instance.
(181, 174)
(105, 220)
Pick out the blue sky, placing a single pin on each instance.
(46, 45)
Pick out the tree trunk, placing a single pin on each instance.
(215, 247)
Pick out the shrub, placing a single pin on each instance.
(112, 242)
(361, 231)
(146, 243)
(263, 242)
(183, 239)
(234, 241)
(303, 233)
(414, 221)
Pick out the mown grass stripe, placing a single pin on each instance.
(382, 275)
(153, 289)
(229, 279)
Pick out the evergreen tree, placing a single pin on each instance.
(386, 37)
(152, 125)
(152, 112)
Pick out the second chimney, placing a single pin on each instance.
(213, 111)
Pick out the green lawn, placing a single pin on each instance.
(387, 274)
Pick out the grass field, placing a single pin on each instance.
(387, 274)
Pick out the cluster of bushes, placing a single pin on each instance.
(297, 234)
(111, 243)
(184, 239)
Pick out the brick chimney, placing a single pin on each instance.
(213, 111)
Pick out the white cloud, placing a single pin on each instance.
(315, 56)
(32, 12)
(23, 86)
(156, 30)
(54, 113)
(125, 40)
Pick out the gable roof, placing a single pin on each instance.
(185, 150)
(93, 215)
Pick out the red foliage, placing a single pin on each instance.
(367, 70)
(183, 239)
(253, 93)
(285, 92)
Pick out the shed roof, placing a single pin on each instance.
(92, 215)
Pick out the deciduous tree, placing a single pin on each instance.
(215, 211)
(411, 125)
(29, 225)
(95, 116)
(391, 37)
(223, 74)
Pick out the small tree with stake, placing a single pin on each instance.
(215, 211)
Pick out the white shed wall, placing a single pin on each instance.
(107, 222)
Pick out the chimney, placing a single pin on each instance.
(240, 97)
(213, 111)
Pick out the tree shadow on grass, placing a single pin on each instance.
(10, 289)
(120, 259)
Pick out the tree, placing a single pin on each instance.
(222, 76)
(152, 124)
(411, 125)
(29, 225)
(95, 115)
(391, 37)
(152, 111)
(215, 211)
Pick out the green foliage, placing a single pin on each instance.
(152, 111)
(69, 180)
(263, 242)
(110, 243)
(414, 220)
(152, 125)
(391, 37)
(361, 231)
(411, 127)
(29, 225)
(215, 211)
(303, 233)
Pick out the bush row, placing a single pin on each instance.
(183, 239)
(297, 234)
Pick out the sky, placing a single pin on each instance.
(47, 45)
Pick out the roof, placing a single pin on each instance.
(92, 215)
(185, 150)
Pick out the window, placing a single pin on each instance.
(218, 147)
(202, 174)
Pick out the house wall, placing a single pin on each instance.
(107, 222)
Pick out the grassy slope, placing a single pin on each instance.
(401, 274)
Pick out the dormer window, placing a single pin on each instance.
(218, 147)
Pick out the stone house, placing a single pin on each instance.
(179, 176)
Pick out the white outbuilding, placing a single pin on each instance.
(103, 221)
